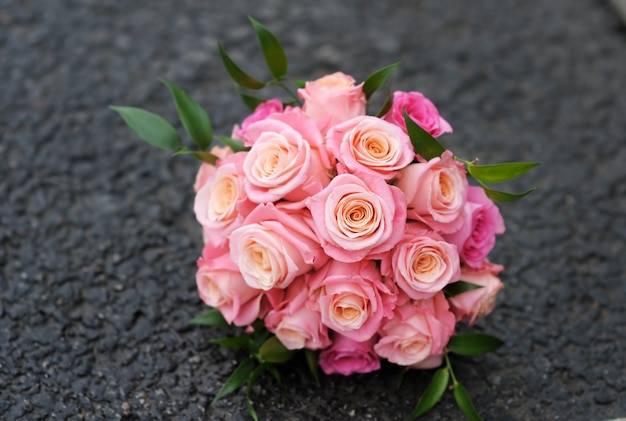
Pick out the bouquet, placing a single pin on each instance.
(346, 235)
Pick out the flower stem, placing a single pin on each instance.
(449, 367)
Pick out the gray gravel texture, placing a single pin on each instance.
(98, 240)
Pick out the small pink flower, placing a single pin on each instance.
(436, 192)
(422, 263)
(261, 112)
(369, 144)
(420, 109)
(356, 217)
(351, 298)
(332, 99)
(477, 236)
(477, 302)
(346, 356)
(417, 334)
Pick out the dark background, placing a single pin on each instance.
(98, 240)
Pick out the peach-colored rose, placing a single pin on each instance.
(272, 247)
(347, 356)
(221, 204)
(206, 171)
(356, 217)
(332, 99)
(351, 298)
(369, 144)
(477, 302)
(417, 334)
(420, 109)
(220, 285)
(296, 325)
(422, 263)
(261, 112)
(283, 164)
(436, 192)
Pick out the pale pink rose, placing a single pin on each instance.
(477, 236)
(356, 217)
(369, 144)
(261, 112)
(296, 325)
(347, 356)
(417, 334)
(332, 99)
(436, 192)
(220, 285)
(420, 109)
(351, 298)
(283, 164)
(422, 263)
(273, 247)
(221, 204)
(206, 171)
(477, 302)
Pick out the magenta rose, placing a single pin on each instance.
(478, 302)
(369, 144)
(477, 236)
(261, 112)
(272, 247)
(351, 298)
(284, 163)
(346, 356)
(332, 99)
(422, 263)
(296, 325)
(356, 217)
(420, 109)
(220, 285)
(436, 192)
(417, 334)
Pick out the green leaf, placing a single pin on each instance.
(205, 156)
(234, 144)
(273, 351)
(272, 50)
(236, 342)
(150, 127)
(433, 393)
(423, 142)
(502, 196)
(234, 382)
(274, 372)
(464, 402)
(255, 374)
(474, 343)
(299, 83)
(312, 361)
(377, 79)
(497, 173)
(386, 106)
(251, 101)
(195, 120)
(211, 318)
(239, 76)
(459, 287)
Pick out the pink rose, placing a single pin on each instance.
(347, 356)
(294, 324)
(369, 144)
(417, 334)
(206, 171)
(351, 298)
(220, 285)
(477, 302)
(420, 109)
(332, 99)
(273, 247)
(477, 236)
(283, 164)
(422, 263)
(221, 204)
(436, 192)
(261, 112)
(356, 217)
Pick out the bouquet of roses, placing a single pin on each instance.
(354, 237)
